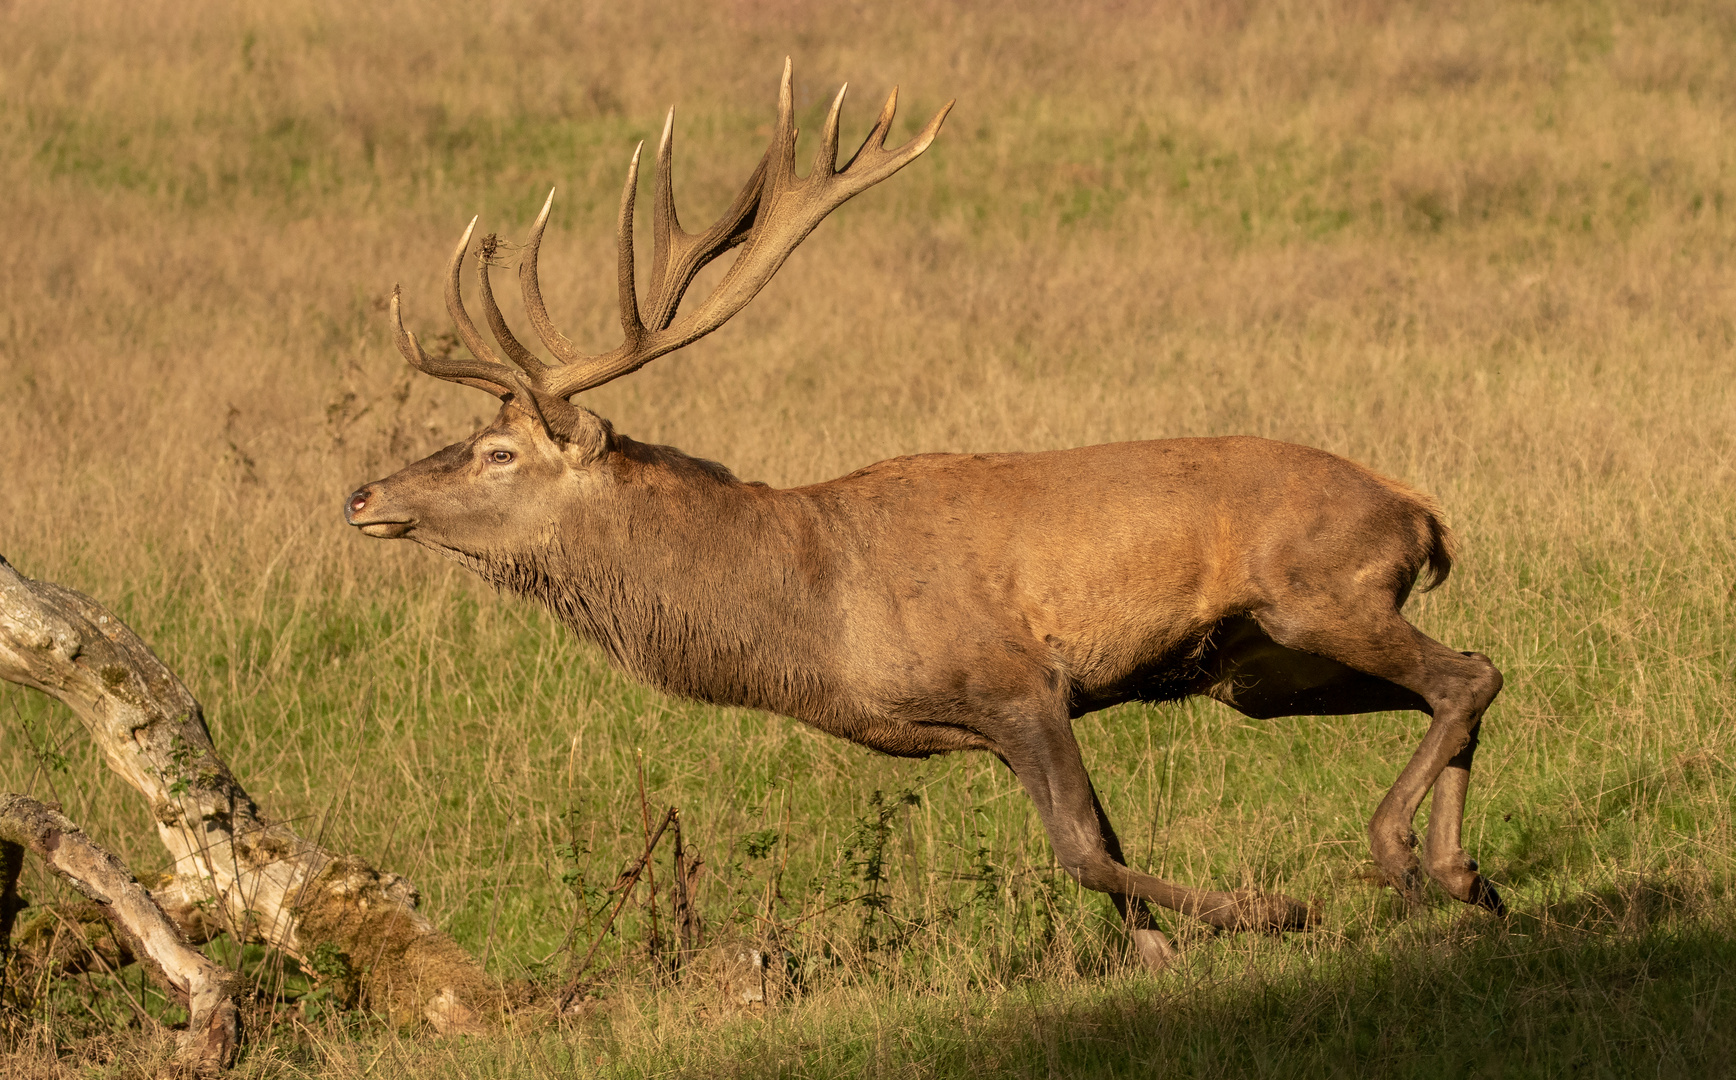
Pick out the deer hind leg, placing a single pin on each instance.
(1457, 688)
(1443, 856)
(1045, 758)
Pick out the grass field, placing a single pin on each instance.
(1488, 248)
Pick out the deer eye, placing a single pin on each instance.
(501, 457)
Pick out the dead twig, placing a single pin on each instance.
(632, 879)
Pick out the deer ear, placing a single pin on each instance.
(579, 431)
(583, 435)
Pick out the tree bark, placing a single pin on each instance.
(235, 871)
(213, 1025)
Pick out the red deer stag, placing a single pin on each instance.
(946, 602)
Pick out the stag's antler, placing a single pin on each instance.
(774, 212)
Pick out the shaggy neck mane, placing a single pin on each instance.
(686, 577)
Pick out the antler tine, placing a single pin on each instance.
(555, 341)
(406, 341)
(455, 303)
(664, 223)
(783, 147)
(877, 162)
(882, 127)
(679, 255)
(469, 372)
(785, 209)
(826, 160)
(631, 327)
(521, 356)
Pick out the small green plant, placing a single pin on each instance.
(988, 877)
(759, 845)
(47, 757)
(863, 860)
(573, 857)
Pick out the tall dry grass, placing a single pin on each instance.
(1482, 247)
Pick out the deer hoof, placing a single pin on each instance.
(1153, 949)
(1485, 897)
(1470, 887)
(1458, 875)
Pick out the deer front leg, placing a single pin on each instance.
(1149, 943)
(1045, 758)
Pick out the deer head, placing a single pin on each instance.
(509, 481)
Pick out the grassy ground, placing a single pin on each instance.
(1483, 247)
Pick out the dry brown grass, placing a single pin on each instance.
(1484, 247)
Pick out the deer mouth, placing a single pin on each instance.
(386, 530)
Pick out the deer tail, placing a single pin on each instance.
(1441, 548)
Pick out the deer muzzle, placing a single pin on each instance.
(368, 512)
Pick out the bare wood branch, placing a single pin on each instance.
(235, 870)
(689, 928)
(631, 878)
(213, 1027)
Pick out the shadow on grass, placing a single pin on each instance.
(1626, 981)
(1617, 983)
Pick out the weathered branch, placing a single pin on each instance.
(213, 1026)
(628, 880)
(235, 871)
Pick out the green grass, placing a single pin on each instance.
(976, 954)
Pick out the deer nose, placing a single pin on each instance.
(356, 503)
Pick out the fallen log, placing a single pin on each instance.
(234, 870)
(213, 1026)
